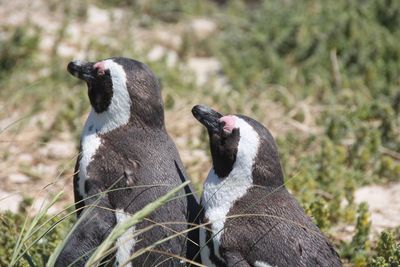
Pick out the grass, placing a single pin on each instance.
(28, 230)
(323, 76)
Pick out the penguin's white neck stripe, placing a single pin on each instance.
(117, 115)
(219, 195)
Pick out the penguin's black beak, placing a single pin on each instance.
(208, 117)
(82, 70)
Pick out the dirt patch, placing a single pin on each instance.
(384, 204)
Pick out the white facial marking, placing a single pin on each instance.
(119, 111)
(261, 264)
(117, 115)
(126, 242)
(219, 195)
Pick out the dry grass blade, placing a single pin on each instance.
(14, 123)
(24, 236)
(174, 256)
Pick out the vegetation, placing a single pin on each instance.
(388, 251)
(29, 241)
(329, 69)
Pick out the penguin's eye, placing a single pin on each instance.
(100, 68)
(102, 73)
(224, 134)
(228, 137)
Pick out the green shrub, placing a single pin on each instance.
(20, 45)
(388, 251)
(357, 251)
(276, 38)
(10, 228)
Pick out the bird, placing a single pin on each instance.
(250, 218)
(127, 160)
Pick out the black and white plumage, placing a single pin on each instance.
(124, 144)
(252, 219)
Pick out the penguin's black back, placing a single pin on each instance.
(282, 236)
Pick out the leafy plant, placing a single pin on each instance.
(29, 241)
(388, 251)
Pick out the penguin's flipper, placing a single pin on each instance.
(94, 225)
(234, 258)
(193, 217)
(79, 204)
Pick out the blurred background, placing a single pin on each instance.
(323, 76)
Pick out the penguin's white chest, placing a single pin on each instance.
(90, 143)
(218, 198)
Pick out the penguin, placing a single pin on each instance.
(250, 218)
(128, 160)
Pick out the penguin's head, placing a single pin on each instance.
(237, 141)
(121, 88)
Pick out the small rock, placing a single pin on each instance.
(9, 122)
(203, 28)
(222, 85)
(172, 58)
(74, 31)
(168, 39)
(18, 178)
(13, 149)
(58, 149)
(9, 201)
(199, 155)
(42, 120)
(25, 159)
(46, 42)
(98, 16)
(44, 72)
(204, 68)
(45, 171)
(156, 53)
(41, 202)
(65, 50)
(344, 232)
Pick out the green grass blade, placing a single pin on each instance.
(24, 236)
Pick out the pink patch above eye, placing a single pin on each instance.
(229, 123)
(100, 67)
